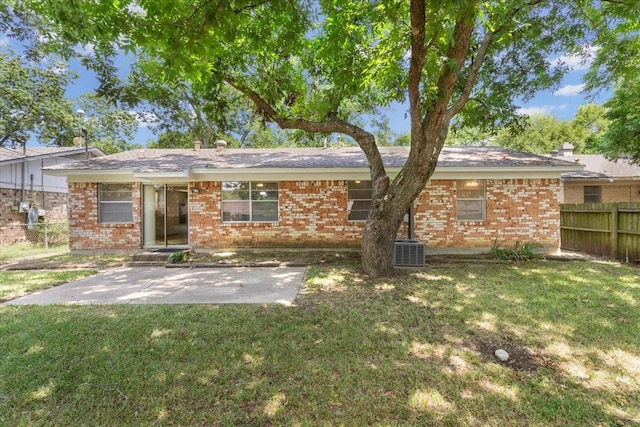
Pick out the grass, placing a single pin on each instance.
(14, 284)
(414, 349)
(29, 257)
(303, 256)
(29, 250)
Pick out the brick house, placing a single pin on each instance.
(210, 199)
(601, 181)
(22, 182)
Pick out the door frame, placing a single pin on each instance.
(165, 190)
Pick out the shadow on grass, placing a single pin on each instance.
(414, 349)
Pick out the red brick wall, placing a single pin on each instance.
(314, 214)
(516, 210)
(85, 231)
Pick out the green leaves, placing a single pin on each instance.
(33, 101)
(622, 138)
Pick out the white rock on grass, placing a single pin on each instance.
(502, 355)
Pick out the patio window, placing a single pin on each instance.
(116, 203)
(592, 194)
(359, 200)
(471, 200)
(246, 201)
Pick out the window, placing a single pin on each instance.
(249, 201)
(471, 200)
(359, 204)
(592, 194)
(116, 203)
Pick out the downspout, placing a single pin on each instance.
(42, 183)
(24, 171)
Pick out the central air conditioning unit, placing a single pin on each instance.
(408, 253)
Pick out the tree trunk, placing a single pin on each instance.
(377, 248)
(380, 234)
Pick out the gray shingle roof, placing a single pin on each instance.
(598, 166)
(177, 160)
(11, 155)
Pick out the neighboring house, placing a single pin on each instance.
(601, 181)
(22, 184)
(304, 197)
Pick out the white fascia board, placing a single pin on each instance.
(164, 177)
(348, 174)
(83, 175)
(94, 176)
(527, 172)
(282, 174)
(96, 151)
(299, 174)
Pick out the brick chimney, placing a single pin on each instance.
(565, 150)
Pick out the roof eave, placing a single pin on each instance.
(303, 174)
(98, 153)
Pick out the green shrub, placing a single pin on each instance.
(178, 257)
(524, 252)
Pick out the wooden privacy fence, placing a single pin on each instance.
(602, 229)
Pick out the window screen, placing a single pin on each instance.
(116, 203)
(359, 203)
(471, 203)
(592, 194)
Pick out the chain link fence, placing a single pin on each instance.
(43, 234)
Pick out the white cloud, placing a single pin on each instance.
(59, 68)
(85, 50)
(4, 42)
(577, 62)
(542, 109)
(570, 90)
(145, 119)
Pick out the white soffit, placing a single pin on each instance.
(297, 174)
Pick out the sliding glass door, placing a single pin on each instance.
(166, 215)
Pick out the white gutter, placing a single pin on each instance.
(300, 174)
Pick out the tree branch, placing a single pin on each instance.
(365, 140)
(473, 75)
(479, 60)
(418, 22)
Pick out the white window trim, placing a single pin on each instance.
(483, 201)
(108, 202)
(250, 201)
(351, 202)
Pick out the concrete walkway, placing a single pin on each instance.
(159, 285)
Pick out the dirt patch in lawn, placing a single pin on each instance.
(521, 358)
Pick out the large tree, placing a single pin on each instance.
(182, 112)
(33, 92)
(622, 136)
(104, 124)
(617, 59)
(318, 65)
(542, 134)
(33, 102)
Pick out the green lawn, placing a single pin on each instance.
(14, 284)
(29, 250)
(416, 349)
